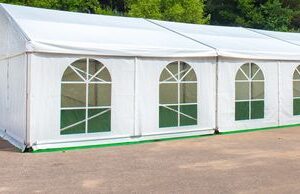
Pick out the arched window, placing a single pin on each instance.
(85, 98)
(249, 92)
(296, 91)
(177, 95)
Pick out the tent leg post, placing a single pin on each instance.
(28, 149)
(216, 131)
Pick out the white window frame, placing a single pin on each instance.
(179, 82)
(295, 80)
(87, 82)
(249, 80)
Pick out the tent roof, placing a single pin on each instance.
(236, 42)
(293, 38)
(76, 33)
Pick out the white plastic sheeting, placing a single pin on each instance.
(77, 33)
(236, 42)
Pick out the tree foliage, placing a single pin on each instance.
(282, 15)
(190, 11)
(268, 14)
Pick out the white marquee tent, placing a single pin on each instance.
(71, 79)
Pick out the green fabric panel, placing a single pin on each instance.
(101, 123)
(296, 106)
(78, 129)
(242, 110)
(69, 117)
(257, 109)
(190, 110)
(167, 117)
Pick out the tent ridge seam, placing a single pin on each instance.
(216, 50)
(273, 37)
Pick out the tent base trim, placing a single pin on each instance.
(258, 129)
(130, 141)
(56, 147)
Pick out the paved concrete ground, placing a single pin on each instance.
(256, 162)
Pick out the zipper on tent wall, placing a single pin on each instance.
(278, 92)
(137, 131)
(217, 96)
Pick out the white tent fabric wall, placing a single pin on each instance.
(286, 72)
(46, 95)
(45, 101)
(228, 69)
(149, 71)
(13, 100)
(12, 82)
(3, 94)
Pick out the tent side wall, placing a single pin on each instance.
(150, 96)
(13, 64)
(228, 69)
(134, 100)
(287, 70)
(13, 100)
(46, 73)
